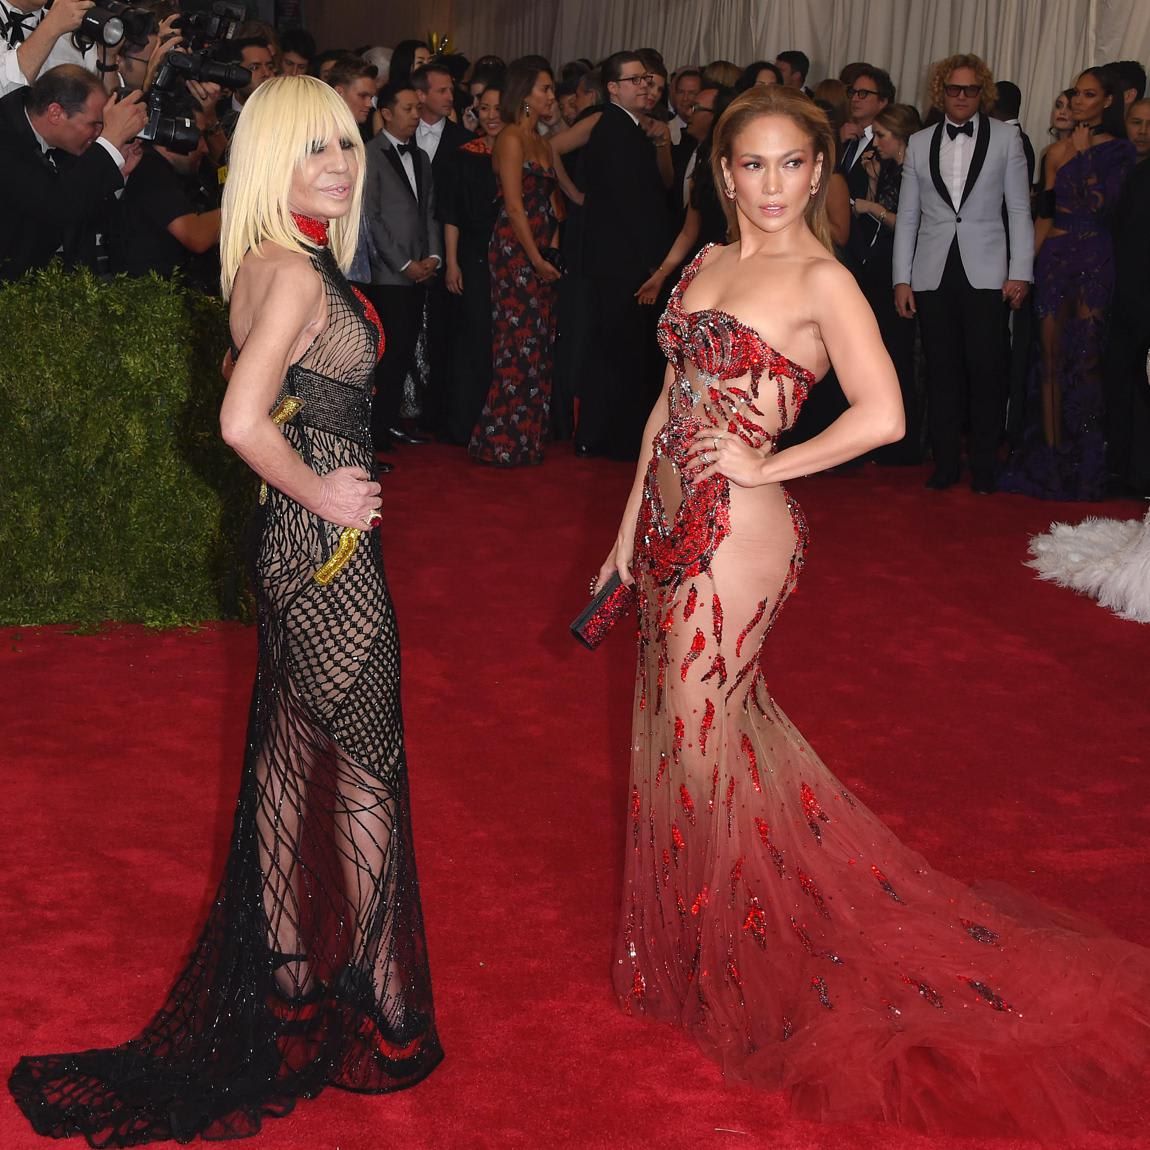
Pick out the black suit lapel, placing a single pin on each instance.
(936, 168)
(396, 161)
(981, 144)
(417, 167)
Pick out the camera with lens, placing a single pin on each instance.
(205, 36)
(201, 30)
(166, 102)
(112, 21)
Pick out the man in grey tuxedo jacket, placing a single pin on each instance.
(405, 248)
(954, 267)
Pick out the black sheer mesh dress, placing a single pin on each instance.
(311, 970)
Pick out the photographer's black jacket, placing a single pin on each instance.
(43, 210)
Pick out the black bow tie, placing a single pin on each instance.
(405, 149)
(16, 26)
(953, 130)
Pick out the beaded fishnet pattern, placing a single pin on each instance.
(311, 969)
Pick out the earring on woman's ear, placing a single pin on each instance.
(729, 192)
(814, 189)
(526, 108)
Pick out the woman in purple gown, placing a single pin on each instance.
(1063, 451)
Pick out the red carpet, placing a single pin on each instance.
(998, 723)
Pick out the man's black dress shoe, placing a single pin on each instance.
(941, 480)
(410, 438)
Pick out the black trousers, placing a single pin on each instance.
(401, 313)
(620, 386)
(962, 337)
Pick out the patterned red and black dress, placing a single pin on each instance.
(765, 909)
(513, 425)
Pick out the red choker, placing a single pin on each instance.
(311, 229)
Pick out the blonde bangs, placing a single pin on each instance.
(273, 136)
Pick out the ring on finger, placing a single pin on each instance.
(706, 457)
(716, 443)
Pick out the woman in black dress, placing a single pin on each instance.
(468, 212)
(311, 969)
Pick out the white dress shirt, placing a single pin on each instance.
(428, 136)
(406, 159)
(63, 52)
(678, 126)
(954, 159)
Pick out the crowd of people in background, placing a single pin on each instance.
(525, 223)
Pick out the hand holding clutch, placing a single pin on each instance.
(611, 602)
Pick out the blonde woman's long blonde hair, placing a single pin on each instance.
(281, 122)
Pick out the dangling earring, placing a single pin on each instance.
(728, 192)
(526, 108)
(814, 189)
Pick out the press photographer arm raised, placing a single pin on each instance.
(23, 64)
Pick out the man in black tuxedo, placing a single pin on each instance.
(626, 235)
(405, 249)
(440, 137)
(871, 91)
(64, 153)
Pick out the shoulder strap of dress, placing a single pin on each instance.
(690, 271)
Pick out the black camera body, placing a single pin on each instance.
(203, 33)
(200, 30)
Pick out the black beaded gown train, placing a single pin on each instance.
(311, 970)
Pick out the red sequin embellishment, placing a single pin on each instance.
(820, 988)
(988, 995)
(979, 933)
(687, 802)
(755, 924)
(927, 991)
(717, 618)
(808, 884)
(705, 727)
(776, 854)
(882, 881)
(697, 645)
(718, 667)
(814, 813)
(313, 230)
(662, 767)
(752, 762)
(692, 599)
(700, 901)
(677, 742)
(677, 841)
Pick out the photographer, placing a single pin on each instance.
(255, 55)
(170, 221)
(65, 151)
(33, 39)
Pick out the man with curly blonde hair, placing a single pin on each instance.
(958, 265)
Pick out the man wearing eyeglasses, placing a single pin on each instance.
(626, 229)
(954, 268)
(871, 91)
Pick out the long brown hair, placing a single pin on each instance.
(776, 100)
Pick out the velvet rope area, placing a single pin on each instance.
(996, 723)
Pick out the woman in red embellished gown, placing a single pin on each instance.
(311, 970)
(765, 909)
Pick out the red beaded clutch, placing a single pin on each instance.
(611, 602)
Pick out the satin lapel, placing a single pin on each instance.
(981, 144)
(394, 160)
(935, 167)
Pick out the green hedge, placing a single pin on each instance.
(120, 500)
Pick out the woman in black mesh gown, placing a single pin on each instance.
(311, 970)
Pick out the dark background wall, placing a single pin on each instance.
(350, 23)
